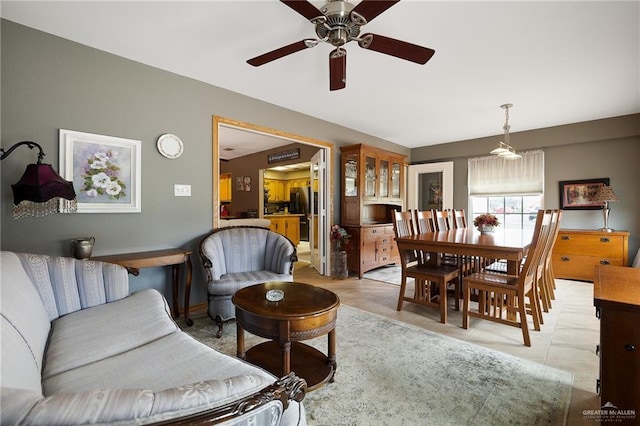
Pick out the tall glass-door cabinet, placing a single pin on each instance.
(372, 187)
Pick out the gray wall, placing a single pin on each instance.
(49, 83)
(595, 149)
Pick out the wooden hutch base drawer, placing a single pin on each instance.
(372, 233)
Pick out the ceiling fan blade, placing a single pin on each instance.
(281, 52)
(399, 49)
(338, 69)
(369, 9)
(304, 8)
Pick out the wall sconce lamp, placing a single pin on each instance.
(41, 190)
(605, 195)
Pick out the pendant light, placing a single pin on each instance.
(504, 149)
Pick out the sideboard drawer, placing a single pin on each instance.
(577, 252)
(594, 245)
(579, 267)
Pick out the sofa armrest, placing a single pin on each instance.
(211, 402)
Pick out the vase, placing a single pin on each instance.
(82, 247)
(486, 229)
(339, 268)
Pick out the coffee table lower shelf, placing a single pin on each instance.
(307, 362)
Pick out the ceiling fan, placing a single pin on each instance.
(338, 22)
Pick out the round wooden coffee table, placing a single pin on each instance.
(305, 312)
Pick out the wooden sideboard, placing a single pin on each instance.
(375, 247)
(616, 295)
(577, 252)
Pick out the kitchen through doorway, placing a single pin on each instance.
(246, 139)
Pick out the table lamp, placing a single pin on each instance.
(605, 195)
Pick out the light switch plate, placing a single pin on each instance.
(182, 190)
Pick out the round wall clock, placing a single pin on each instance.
(170, 146)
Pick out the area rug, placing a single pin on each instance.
(391, 274)
(392, 373)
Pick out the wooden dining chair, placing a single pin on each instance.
(430, 280)
(445, 220)
(424, 221)
(459, 219)
(441, 219)
(501, 297)
(544, 274)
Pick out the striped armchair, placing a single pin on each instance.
(239, 256)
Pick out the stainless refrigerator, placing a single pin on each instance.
(299, 204)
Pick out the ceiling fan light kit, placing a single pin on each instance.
(337, 23)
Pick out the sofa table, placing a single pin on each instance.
(133, 262)
(305, 312)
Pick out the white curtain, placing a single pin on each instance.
(496, 175)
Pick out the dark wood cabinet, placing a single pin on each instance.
(372, 187)
(578, 251)
(616, 294)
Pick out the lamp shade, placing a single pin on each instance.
(605, 193)
(41, 183)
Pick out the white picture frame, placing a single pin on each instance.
(105, 171)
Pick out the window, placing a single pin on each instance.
(510, 189)
(514, 212)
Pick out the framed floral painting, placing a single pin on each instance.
(105, 171)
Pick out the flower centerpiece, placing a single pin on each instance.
(486, 222)
(339, 238)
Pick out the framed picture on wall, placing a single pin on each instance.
(247, 183)
(435, 194)
(579, 194)
(239, 183)
(105, 171)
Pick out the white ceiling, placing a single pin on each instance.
(557, 62)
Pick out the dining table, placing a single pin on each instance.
(508, 244)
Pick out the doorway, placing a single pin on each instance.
(256, 139)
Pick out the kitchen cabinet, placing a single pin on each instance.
(276, 189)
(372, 187)
(577, 252)
(287, 225)
(616, 296)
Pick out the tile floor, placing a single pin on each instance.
(567, 340)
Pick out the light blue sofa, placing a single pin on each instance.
(239, 256)
(77, 348)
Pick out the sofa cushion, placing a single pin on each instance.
(91, 335)
(230, 283)
(184, 360)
